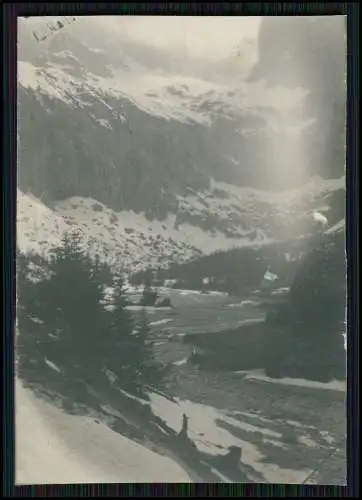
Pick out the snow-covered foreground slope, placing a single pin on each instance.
(52, 447)
(244, 214)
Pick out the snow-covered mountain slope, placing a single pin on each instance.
(74, 63)
(158, 158)
(138, 242)
(153, 134)
(125, 236)
(183, 99)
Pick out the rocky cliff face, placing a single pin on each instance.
(310, 52)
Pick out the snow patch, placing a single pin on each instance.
(181, 362)
(52, 365)
(161, 321)
(244, 303)
(269, 276)
(334, 385)
(319, 217)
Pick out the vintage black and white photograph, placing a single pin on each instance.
(180, 250)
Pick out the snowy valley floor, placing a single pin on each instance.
(289, 430)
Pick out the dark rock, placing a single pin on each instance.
(184, 429)
(166, 302)
(149, 298)
(234, 455)
(97, 207)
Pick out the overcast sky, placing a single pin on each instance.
(210, 39)
(206, 37)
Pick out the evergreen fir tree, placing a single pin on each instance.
(70, 306)
(148, 371)
(33, 342)
(118, 335)
(62, 318)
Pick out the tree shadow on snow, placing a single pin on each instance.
(126, 415)
(285, 444)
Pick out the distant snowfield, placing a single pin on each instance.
(52, 447)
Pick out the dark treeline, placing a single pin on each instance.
(235, 271)
(64, 317)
